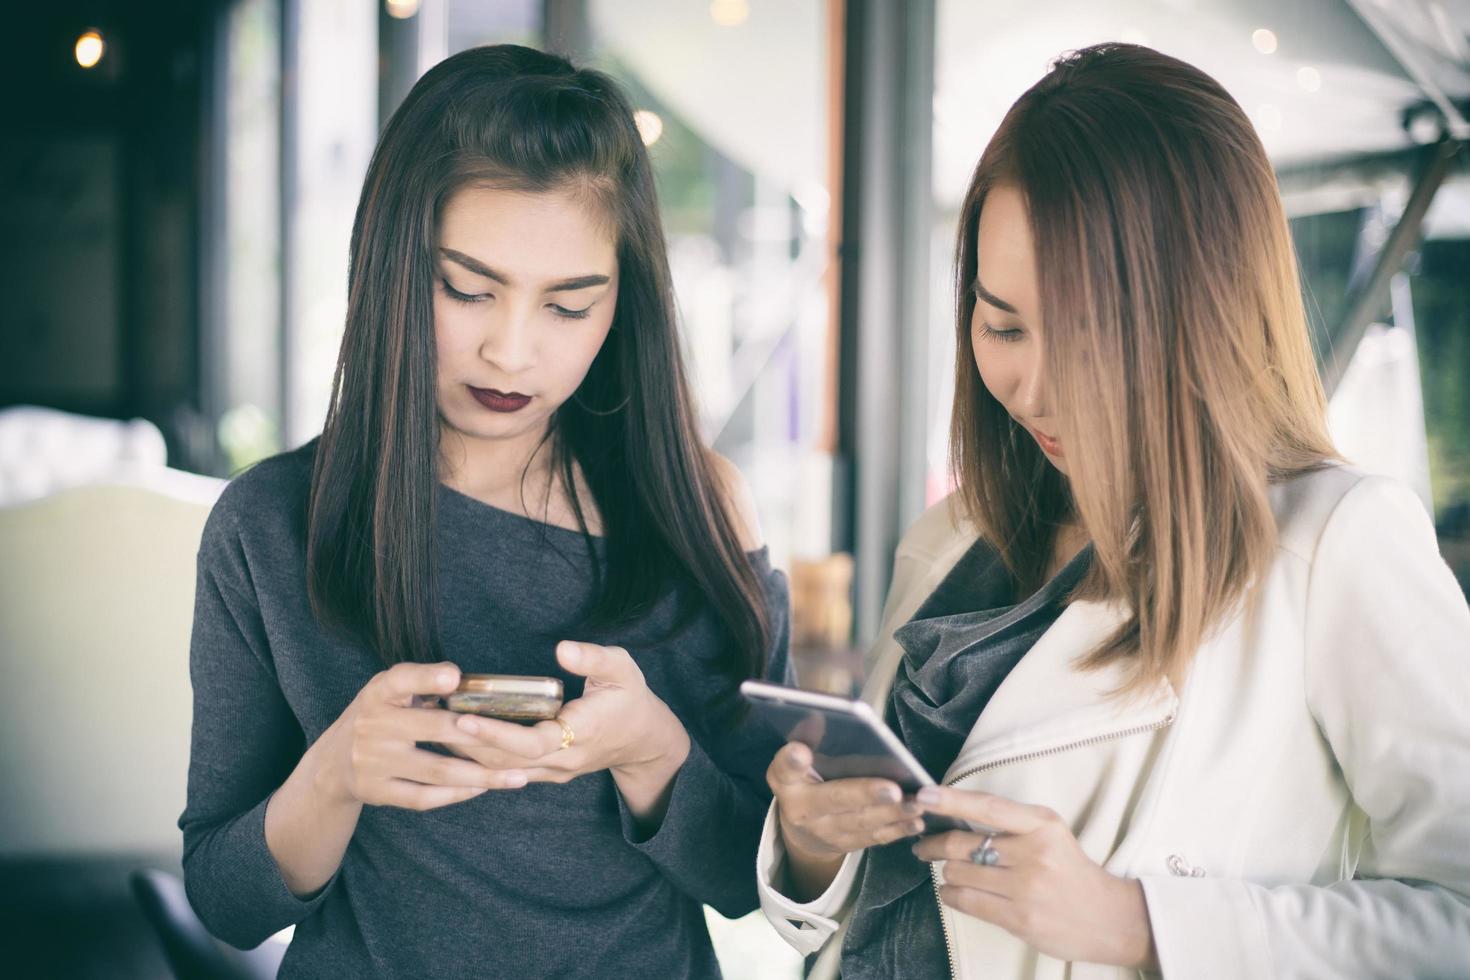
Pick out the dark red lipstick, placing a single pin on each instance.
(500, 401)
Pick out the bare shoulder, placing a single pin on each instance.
(739, 501)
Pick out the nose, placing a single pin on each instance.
(509, 341)
(1031, 395)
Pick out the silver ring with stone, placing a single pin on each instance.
(985, 855)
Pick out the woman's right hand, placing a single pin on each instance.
(823, 821)
(370, 753)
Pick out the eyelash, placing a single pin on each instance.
(1004, 336)
(468, 300)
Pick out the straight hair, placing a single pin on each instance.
(1177, 349)
(510, 117)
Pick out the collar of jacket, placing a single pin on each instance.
(1045, 704)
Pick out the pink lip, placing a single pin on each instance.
(499, 401)
(1048, 445)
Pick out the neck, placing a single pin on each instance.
(495, 469)
(1071, 538)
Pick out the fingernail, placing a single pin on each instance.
(444, 679)
(570, 654)
(929, 794)
(515, 780)
(468, 724)
(892, 794)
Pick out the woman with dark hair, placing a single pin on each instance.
(510, 463)
(1200, 686)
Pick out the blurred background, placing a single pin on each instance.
(177, 187)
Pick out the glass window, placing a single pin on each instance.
(732, 100)
(1342, 120)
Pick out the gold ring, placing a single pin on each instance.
(567, 735)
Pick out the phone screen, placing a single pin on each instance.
(848, 742)
(843, 745)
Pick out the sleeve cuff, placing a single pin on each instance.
(236, 887)
(1206, 929)
(805, 926)
(690, 795)
(280, 902)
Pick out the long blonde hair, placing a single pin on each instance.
(1177, 348)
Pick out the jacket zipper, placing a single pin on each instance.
(1025, 757)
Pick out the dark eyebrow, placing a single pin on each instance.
(481, 269)
(580, 282)
(991, 298)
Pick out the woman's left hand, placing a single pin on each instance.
(617, 724)
(1042, 889)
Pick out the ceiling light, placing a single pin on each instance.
(90, 48)
(729, 13)
(650, 126)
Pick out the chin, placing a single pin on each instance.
(477, 423)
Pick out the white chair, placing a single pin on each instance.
(96, 607)
(43, 450)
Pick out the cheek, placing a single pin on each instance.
(995, 372)
(589, 344)
(984, 355)
(589, 336)
(570, 350)
(455, 330)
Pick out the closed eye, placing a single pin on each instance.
(460, 297)
(567, 314)
(1004, 336)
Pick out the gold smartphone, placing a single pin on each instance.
(504, 696)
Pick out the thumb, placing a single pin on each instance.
(401, 682)
(606, 665)
(796, 759)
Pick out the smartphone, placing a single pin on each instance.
(847, 739)
(504, 696)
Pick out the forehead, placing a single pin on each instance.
(529, 235)
(1004, 255)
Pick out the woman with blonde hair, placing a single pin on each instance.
(1206, 682)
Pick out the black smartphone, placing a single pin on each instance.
(847, 739)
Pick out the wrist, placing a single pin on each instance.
(328, 779)
(1135, 933)
(660, 753)
(808, 873)
(646, 784)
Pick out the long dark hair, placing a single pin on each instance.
(512, 117)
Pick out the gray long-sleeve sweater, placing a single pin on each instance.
(546, 881)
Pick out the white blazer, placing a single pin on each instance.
(1300, 809)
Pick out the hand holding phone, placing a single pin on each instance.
(508, 697)
(847, 740)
